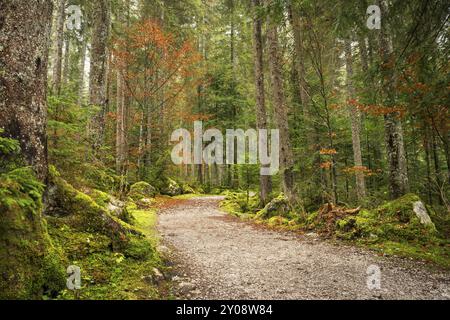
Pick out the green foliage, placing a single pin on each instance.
(9, 153)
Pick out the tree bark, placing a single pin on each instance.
(57, 67)
(398, 175)
(98, 73)
(24, 46)
(299, 59)
(355, 118)
(281, 111)
(120, 128)
(81, 71)
(265, 181)
(25, 28)
(66, 70)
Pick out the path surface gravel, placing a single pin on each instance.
(219, 257)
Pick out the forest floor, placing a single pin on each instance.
(217, 256)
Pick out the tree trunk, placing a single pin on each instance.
(120, 128)
(299, 58)
(81, 71)
(23, 82)
(98, 73)
(281, 112)
(355, 118)
(398, 175)
(261, 114)
(57, 67)
(66, 70)
(25, 28)
(437, 167)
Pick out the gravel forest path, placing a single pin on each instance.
(216, 256)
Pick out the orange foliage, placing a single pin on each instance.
(326, 165)
(359, 169)
(329, 152)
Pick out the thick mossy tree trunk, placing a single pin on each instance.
(261, 114)
(24, 43)
(29, 264)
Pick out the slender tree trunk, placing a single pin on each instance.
(299, 59)
(265, 181)
(398, 175)
(281, 112)
(429, 184)
(437, 167)
(355, 118)
(98, 73)
(81, 71)
(57, 67)
(66, 72)
(120, 123)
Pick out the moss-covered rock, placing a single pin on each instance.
(139, 249)
(30, 265)
(141, 190)
(114, 206)
(278, 221)
(83, 213)
(187, 189)
(396, 221)
(277, 207)
(171, 188)
(239, 204)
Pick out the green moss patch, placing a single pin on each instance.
(31, 266)
(142, 190)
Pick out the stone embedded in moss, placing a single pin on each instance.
(114, 206)
(187, 189)
(141, 190)
(171, 188)
(277, 207)
(145, 203)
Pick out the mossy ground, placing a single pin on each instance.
(31, 264)
(116, 259)
(112, 274)
(391, 229)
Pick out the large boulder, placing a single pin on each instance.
(141, 190)
(172, 188)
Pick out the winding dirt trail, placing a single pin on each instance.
(219, 257)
